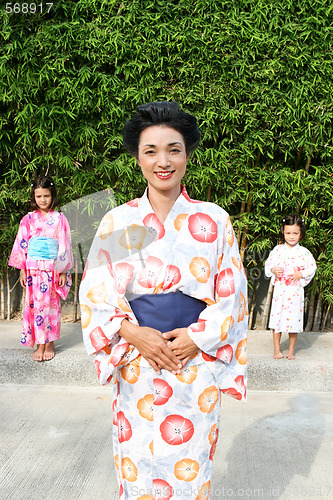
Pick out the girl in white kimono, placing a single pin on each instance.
(293, 267)
(164, 311)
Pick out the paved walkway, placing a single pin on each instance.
(56, 425)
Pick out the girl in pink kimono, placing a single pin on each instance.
(163, 309)
(42, 251)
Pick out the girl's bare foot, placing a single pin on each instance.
(290, 355)
(38, 355)
(49, 351)
(278, 355)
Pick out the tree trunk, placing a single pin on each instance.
(298, 156)
(255, 287)
(308, 163)
(244, 237)
(8, 295)
(317, 317)
(323, 323)
(311, 309)
(2, 293)
(209, 192)
(76, 291)
(239, 234)
(76, 272)
(265, 316)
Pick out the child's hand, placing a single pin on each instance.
(278, 271)
(296, 276)
(23, 278)
(62, 279)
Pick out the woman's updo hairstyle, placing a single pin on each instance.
(45, 182)
(161, 113)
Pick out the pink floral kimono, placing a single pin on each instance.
(166, 426)
(42, 318)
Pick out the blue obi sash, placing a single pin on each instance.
(168, 311)
(43, 248)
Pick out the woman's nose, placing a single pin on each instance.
(163, 160)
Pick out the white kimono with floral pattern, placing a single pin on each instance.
(288, 299)
(166, 426)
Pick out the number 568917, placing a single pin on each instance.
(28, 8)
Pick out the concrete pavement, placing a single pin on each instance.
(311, 371)
(56, 424)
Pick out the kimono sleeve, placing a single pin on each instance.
(309, 269)
(224, 322)
(271, 262)
(64, 261)
(19, 253)
(221, 331)
(103, 304)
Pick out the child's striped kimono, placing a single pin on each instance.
(166, 426)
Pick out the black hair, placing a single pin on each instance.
(167, 113)
(44, 182)
(290, 220)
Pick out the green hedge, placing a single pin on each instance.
(258, 75)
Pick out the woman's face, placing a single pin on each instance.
(43, 199)
(162, 158)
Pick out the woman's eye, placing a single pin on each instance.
(176, 150)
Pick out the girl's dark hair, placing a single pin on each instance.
(44, 182)
(161, 113)
(290, 220)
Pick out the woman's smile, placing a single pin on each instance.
(164, 175)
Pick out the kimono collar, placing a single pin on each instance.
(181, 205)
(291, 249)
(39, 214)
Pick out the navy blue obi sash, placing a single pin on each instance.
(167, 311)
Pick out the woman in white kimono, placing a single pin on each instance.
(163, 307)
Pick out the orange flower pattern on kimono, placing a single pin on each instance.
(288, 299)
(41, 316)
(174, 419)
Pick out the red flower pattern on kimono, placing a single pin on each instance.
(161, 490)
(151, 220)
(199, 326)
(134, 203)
(172, 277)
(149, 274)
(225, 285)
(225, 353)
(162, 391)
(207, 357)
(118, 353)
(124, 427)
(232, 391)
(98, 338)
(176, 429)
(202, 228)
(124, 274)
(240, 382)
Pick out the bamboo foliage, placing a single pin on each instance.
(258, 75)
